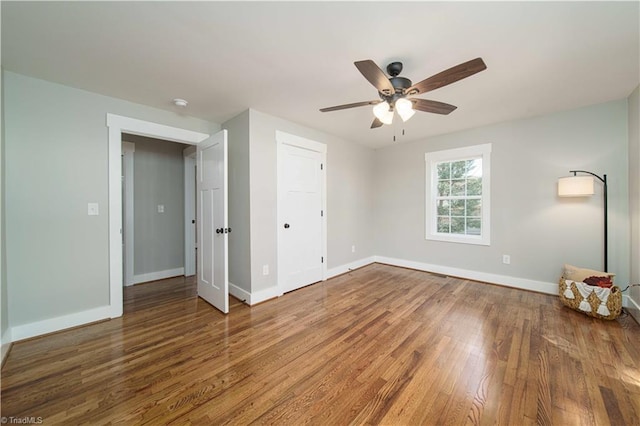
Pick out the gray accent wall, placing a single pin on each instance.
(158, 179)
(239, 202)
(529, 222)
(56, 142)
(634, 196)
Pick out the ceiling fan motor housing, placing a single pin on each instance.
(400, 84)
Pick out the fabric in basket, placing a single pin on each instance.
(598, 302)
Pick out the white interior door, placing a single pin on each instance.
(301, 215)
(213, 275)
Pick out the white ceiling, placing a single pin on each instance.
(289, 59)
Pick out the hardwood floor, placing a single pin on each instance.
(380, 345)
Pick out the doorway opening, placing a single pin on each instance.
(118, 125)
(158, 184)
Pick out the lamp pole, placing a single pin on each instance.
(602, 179)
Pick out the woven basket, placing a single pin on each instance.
(614, 301)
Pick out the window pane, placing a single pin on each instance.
(457, 187)
(457, 207)
(458, 169)
(443, 224)
(443, 208)
(444, 187)
(444, 171)
(474, 186)
(474, 168)
(457, 225)
(473, 227)
(474, 208)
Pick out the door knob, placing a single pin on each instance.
(219, 230)
(286, 226)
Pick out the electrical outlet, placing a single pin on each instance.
(265, 269)
(353, 249)
(160, 208)
(506, 259)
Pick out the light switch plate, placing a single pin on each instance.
(92, 209)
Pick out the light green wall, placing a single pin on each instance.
(56, 162)
(634, 196)
(350, 187)
(158, 179)
(529, 222)
(239, 203)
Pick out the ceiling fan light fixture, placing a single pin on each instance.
(405, 108)
(383, 112)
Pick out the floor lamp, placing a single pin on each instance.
(582, 186)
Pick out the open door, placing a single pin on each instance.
(213, 230)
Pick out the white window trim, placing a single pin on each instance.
(431, 159)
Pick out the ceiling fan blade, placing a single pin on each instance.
(375, 76)
(432, 106)
(376, 123)
(449, 76)
(353, 105)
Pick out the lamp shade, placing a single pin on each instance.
(404, 107)
(575, 186)
(383, 112)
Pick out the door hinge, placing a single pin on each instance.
(322, 259)
(321, 166)
(321, 213)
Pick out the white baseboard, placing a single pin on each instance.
(338, 270)
(239, 293)
(6, 345)
(633, 307)
(266, 294)
(254, 298)
(504, 280)
(158, 275)
(50, 325)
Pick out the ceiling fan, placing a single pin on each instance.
(394, 91)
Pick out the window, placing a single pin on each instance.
(458, 201)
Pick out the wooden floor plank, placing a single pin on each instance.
(379, 345)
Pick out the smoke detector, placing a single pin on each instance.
(180, 103)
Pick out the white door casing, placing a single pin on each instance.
(302, 212)
(189, 212)
(128, 150)
(117, 125)
(212, 221)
